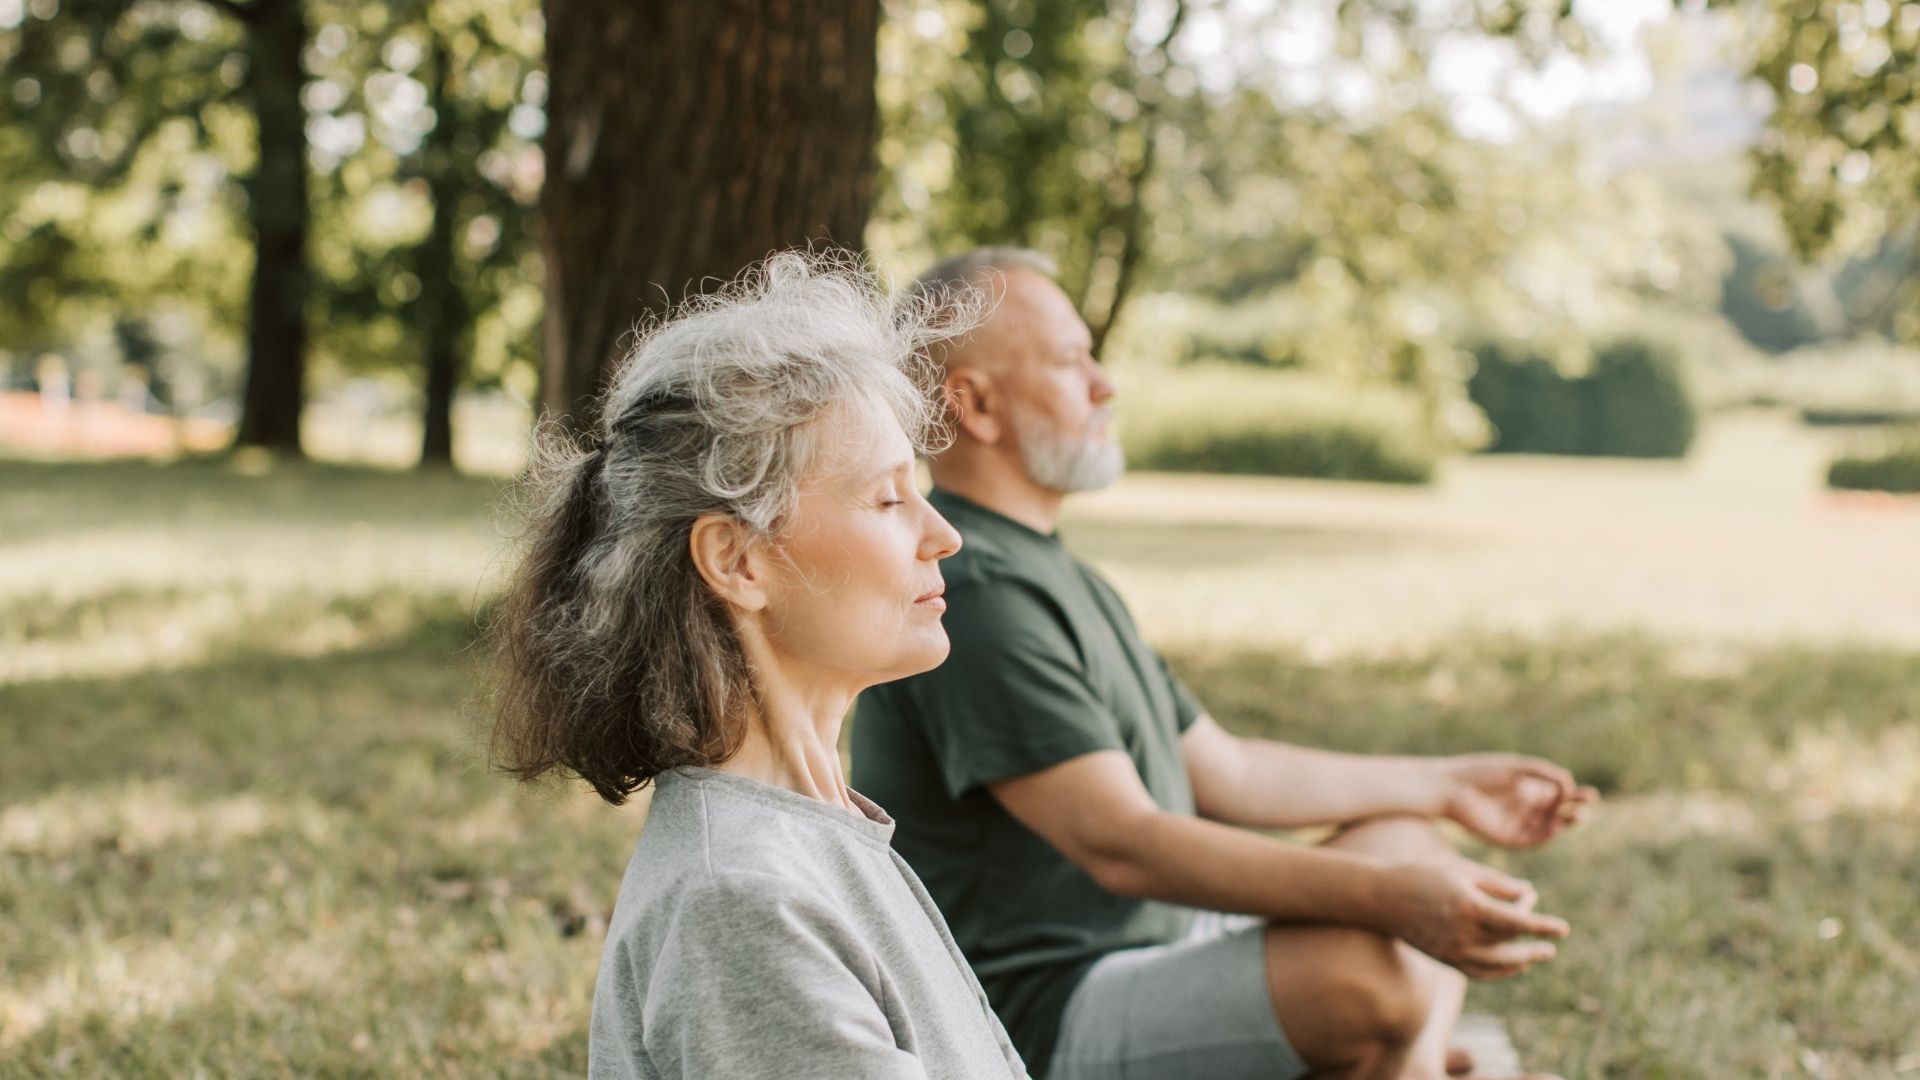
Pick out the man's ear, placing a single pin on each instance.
(726, 558)
(977, 407)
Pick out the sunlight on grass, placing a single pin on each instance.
(248, 828)
(145, 816)
(1740, 544)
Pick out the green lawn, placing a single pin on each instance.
(244, 828)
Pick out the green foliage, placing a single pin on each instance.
(1635, 402)
(418, 100)
(1841, 154)
(1095, 132)
(121, 202)
(1223, 420)
(123, 132)
(1640, 402)
(1895, 467)
(1864, 417)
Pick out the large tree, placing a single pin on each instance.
(687, 139)
(276, 39)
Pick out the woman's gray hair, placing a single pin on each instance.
(617, 660)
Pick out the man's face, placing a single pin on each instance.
(1057, 395)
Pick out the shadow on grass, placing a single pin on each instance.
(273, 863)
(50, 499)
(252, 716)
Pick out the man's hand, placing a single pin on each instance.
(1512, 801)
(1468, 916)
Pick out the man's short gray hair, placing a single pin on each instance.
(969, 282)
(969, 270)
(617, 661)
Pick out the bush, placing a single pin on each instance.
(1895, 468)
(1858, 417)
(1635, 402)
(1865, 381)
(1220, 419)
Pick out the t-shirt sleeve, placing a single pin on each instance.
(1012, 697)
(1186, 706)
(755, 981)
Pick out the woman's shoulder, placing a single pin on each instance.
(716, 839)
(753, 899)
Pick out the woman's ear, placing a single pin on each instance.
(976, 407)
(726, 558)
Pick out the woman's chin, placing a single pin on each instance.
(923, 653)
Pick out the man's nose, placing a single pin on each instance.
(1101, 386)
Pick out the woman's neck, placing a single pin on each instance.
(793, 740)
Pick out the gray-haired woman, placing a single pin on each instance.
(742, 550)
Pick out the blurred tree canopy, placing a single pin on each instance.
(1293, 172)
(1841, 153)
(1158, 145)
(423, 123)
(154, 141)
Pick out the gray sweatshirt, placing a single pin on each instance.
(761, 933)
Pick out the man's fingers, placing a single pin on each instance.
(1561, 779)
(1494, 883)
(1510, 920)
(1502, 961)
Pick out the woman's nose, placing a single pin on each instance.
(941, 539)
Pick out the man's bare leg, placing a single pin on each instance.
(1348, 1000)
(1408, 838)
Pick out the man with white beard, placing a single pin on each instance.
(1086, 828)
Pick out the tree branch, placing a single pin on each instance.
(243, 12)
(1131, 216)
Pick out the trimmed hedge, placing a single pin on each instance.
(1895, 469)
(1221, 419)
(1635, 402)
(1858, 417)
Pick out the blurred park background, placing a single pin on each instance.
(1494, 373)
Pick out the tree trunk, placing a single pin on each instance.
(441, 308)
(277, 209)
(687, 139)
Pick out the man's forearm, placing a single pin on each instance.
(1186, 860)
(1277, 786)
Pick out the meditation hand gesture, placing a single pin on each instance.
(1513, 801)
(1469, 916)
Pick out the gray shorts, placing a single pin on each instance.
(1196, 1008)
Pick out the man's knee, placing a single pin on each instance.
(1395, 836)
(1391, 997)
(1365, 994)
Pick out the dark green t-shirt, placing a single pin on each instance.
(1046, 666)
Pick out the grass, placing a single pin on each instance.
(246, 830)
(1742, 907)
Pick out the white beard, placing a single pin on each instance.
(1064, 464)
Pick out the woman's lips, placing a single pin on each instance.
(933, 598)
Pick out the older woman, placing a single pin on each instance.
(741, 551)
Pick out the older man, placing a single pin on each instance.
(1085, 827)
